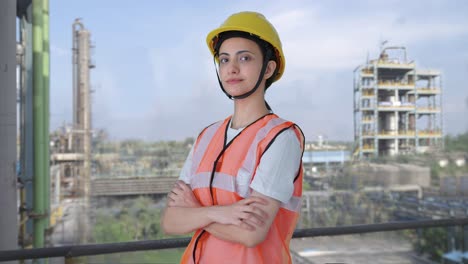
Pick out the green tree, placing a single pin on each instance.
(457, 143)
(131, 221)
(432, 242)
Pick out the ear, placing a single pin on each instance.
(271, 66)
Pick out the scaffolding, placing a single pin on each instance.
(397, 107)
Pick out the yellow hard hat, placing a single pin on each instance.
(253, 23)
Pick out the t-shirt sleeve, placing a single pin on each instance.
(278, 167)
(185, 172)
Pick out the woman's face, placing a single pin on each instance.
(240, 63)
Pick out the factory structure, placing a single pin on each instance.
(71, 148)
(397, 107)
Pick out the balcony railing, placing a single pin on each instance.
(403, 133)
(368, 148)
(391, 83)
(433, 90)
(109, 248)
(428, 110)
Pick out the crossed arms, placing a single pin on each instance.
(246, 222)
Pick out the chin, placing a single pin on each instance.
(235, 92)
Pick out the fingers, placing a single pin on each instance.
(247, 225)
(176, 187)
(183, 186)
(171, 199)
(180, 187)
(182, 196)
(250, 222)
(255, 199)
(174, 197)
(259, 212)
(171, 196)
(253, 219)
(253, 209)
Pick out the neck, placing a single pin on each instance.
(248, 110)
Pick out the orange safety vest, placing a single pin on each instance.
(214, 181)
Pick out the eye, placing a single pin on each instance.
(223, 60)
(245, 58)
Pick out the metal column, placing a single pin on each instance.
(8, 198)
(40, 211)
(82, 113)
(46, 111)
(26, 127)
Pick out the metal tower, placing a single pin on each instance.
(82, 101)
(82, 113)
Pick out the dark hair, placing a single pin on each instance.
(265, 47)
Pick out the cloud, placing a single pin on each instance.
(322, 50)
(290, 20)
(158, 81)
(337, 43)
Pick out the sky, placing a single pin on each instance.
(155, 80)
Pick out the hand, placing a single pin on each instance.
(182, 196)
(244, 213)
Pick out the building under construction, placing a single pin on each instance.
(397, 107)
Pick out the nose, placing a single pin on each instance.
(233, 67)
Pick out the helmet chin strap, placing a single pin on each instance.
(247, 94)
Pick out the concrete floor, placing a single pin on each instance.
(356, 249)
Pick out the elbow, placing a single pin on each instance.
(169, 227)
(166, 230)
(251, 244)
(169, 230)
(254, 240)
(165, 225)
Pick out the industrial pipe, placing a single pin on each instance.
(46, 79)
(8, 181)
(39, 211)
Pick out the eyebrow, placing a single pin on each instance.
(237, 53)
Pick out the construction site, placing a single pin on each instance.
(397, 106)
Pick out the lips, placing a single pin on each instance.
(233, 81)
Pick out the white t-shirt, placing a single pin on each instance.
(277, 168)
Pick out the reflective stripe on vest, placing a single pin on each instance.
(234, 171)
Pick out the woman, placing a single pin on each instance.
(240, 188)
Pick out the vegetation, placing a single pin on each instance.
(131, 221)
(433, 242)
(458, 143)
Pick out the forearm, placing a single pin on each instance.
(236, 234)
(183, 220)
(235, 222)
(241, 234)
